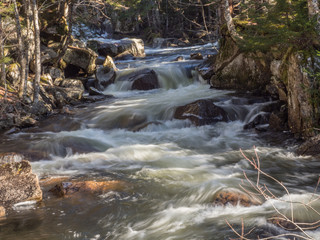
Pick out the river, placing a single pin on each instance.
(171, 168)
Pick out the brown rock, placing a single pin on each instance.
(2, 212)
(201, 112)
(18, 183)
(234, 197)
(86, 187)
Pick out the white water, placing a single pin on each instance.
(172, 168)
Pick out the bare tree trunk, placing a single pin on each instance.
(204, 19)
(21, 48)
(36, 83)
(27, 44)
(3, 67)
(67, 40)
(231, 28)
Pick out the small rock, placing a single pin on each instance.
(2, 212)
(104, 77)
(179, 59)
(196, 56)
(234, 197)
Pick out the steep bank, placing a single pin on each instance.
(285, 75)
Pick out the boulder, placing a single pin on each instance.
(115, 47)
(124, 56)
(232, 196)
(54, 72)
(104, 77)
(72, 83)
(77, 59)
(65, 189)
(310, 147)
(18, 183)
(144, 80)
(201, 112)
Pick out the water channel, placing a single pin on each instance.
(171, 168)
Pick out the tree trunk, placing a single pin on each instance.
(67, 40)
(231, 28)
(3, 67)
(36, 83)
(27, 44)
(21, 47)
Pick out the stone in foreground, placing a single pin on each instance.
(18, 183)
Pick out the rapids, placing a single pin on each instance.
(172, 168)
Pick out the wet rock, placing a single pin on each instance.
(77, 59)
(65, 189)
(125, 56)
(113, 48)
(201, 112)
(104, 77)
(260, 119)
(2, 212)
(18, 183)
(95, 92)
(144, 125)
(144, 80)
(310, 147)
(278, 121)
(28, 121)
(234, 197)
(179, 59)
(196, 56)
(206, 69)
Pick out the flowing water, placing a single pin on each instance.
(171, 168)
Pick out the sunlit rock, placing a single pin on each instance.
(232, 196)
(65, 189)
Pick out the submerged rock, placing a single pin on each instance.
(65, 189)
(234, 197)
(310, 147)
(196, 56)
(201, 112)
(18, 183)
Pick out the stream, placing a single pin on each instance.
(171, 168)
